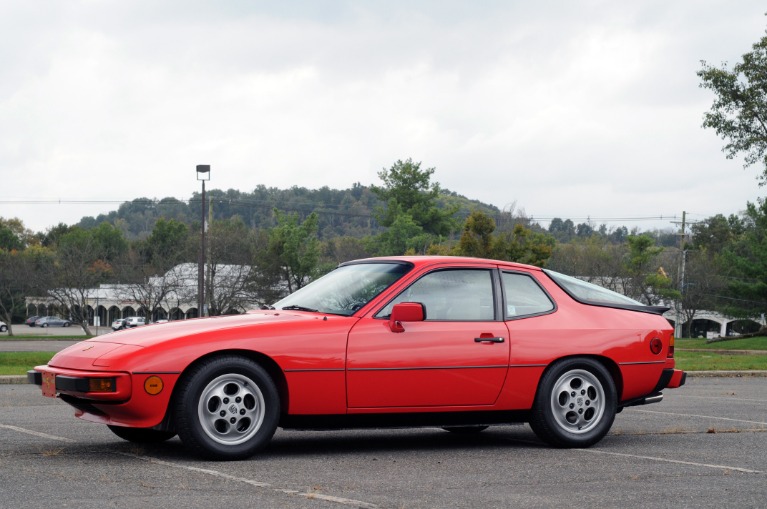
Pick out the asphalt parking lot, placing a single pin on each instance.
(705, 445)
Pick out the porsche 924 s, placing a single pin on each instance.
(457, 343)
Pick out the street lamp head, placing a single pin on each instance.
(203, 172)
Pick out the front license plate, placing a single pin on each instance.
(49, 385)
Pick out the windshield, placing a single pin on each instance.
(346, 289)
(590, 293)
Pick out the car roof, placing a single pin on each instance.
(425, 260)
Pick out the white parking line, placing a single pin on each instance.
(36, 433)
(666, 460)
(259, 484)
(726, 398)
(207, 471)
(762, 423)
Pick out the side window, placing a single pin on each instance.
(523, 296)
(451, 295)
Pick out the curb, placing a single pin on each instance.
(13, 379)
(22, 379)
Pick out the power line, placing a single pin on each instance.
(310, 205)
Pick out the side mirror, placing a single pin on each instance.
(406, 312)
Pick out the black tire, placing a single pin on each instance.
(3, 328)
(575, 404)
(44, 325)
(141, 435)
(67, 324)
(465, 430)
(226, 408)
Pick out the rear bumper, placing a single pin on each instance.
(678, 378)
(669, 379)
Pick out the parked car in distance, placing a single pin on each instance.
(127, 322)
(52, 321)
(3, 327)
(31, 320)
(450, 342)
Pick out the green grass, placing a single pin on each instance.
(705, 361)
(758, 343)
(18, 363)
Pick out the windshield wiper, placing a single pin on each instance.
(300, 308)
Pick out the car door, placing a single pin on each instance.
(457, 356)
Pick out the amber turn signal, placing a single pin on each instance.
(153, 385)
(102, 385)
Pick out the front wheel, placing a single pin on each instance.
(575, 404)
(227, 408)
(3, 328)
(141, 435)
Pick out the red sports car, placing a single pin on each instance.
(458, 343)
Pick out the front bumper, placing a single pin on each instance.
(139, 399)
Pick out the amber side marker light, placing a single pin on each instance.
(153, 385)
(671, 348)
(102, 385)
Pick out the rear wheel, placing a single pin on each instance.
(227, 408)
(3, 328)
(575, 404)
(141, 435)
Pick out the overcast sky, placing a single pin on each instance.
(565, 108)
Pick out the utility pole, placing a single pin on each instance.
(683, 252)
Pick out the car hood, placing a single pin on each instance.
(147, 335)
(147, 347)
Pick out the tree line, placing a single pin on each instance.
(250, 266)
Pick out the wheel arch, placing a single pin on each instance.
(610, 365)
(266, 362)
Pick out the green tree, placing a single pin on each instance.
(477, 237)
(165, 244)
(739, 112)
(17, 281)
(746, 259)
(13, 235)
(523, 245)
(402, 236)
(407, 189)
(292, 256)
(646, 280)
(717, 232)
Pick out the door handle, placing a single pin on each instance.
(489, 340)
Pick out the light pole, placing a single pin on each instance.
(203, 174)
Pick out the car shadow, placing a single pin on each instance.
(306, 444)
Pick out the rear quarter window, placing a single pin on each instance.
(524, 297)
